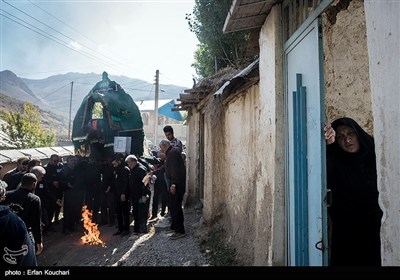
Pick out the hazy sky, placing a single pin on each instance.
(130, 38)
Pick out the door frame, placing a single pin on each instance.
(298, 223)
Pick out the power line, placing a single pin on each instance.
(143, 87)
(77, 31)
(53, 30)
(172, 82)
(55, 91)
(83, 83)
(65, 43)
(55, 71)
(72, 28)
(57, 40)
(134, 83)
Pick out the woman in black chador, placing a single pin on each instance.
(354, 211)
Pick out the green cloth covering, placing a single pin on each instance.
(120, 117)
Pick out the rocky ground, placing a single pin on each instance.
(151, 249)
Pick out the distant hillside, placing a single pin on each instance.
(13, 86)
(49, 120)
(55, 91)
(53, 94)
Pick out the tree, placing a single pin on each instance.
(216, 49)
(25, 130)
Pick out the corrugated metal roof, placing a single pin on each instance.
(61, 151)
(39, 153)
(5, 144)
(10, 155)
(70, 149)
(33, 153)
(4, 158)
(247, 14)
(5, 141)
(223, 86)
(48, 151)
(240, 79)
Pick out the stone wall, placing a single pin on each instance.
(347, 85)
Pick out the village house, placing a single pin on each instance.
(256, 148)
(165, 117)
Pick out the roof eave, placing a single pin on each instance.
(247, 14)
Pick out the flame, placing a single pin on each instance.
(92, 234)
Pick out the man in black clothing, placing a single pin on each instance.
(16, 246)
(107, 195)
(121, 191)
(46, 199)
(72, 203)
(52, 181)
(93, 187)
(139, 194)
(31, 211)
(160, 185)
(22, 164)
(169, 134)
(175, 172)
(14, 177)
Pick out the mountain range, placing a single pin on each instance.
(52, 95)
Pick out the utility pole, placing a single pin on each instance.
(156, 107)
(215, 64)
(70, 108)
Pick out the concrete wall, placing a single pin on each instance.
(383, 22)
(347, 87)
(362, 81)
(242, 173)
(192, 158)
(270, 160)
(232, 170)
(244, 141)
(229, 187)
(244, 170)
(216, 165)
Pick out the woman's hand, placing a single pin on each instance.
(39, 248)
(172, 189)
(330, 134)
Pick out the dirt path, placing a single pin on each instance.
(152, 249)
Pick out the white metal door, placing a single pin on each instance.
(305, 161)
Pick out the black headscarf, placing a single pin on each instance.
(367, 145)
(352, 176)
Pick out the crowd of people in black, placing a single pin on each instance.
(115, 189)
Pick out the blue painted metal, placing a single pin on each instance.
(300, 173)
(166, 110)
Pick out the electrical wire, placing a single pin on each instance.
(87, 54)
(55, 39)
(77, 31)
